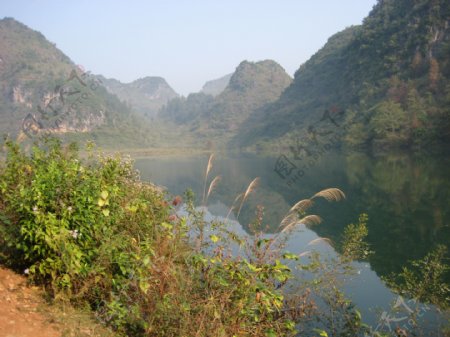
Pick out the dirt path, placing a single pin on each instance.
(19, 315)
(24, 313)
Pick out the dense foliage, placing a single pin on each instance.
(93, 233)
(384, 83)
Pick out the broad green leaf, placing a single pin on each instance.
(104, 195)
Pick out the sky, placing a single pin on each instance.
(186, 42)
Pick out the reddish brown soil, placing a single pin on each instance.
(20, 315)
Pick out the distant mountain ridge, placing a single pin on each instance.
(250, 87)
(145, 95)
(217, 86)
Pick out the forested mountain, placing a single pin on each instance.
(382, 84)
(216, 87)
(42, 90)
(251, 86)
(146, 95)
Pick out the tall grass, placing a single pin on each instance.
(93, 234)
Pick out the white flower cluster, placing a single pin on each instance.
(75, 234)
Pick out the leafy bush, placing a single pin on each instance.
(80, 229)
(92, 233)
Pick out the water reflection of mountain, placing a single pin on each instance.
(407, 198)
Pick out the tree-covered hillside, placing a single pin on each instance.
(251, 86)
(382, 84)
(43, 91)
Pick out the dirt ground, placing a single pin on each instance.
(19, 304)
(24, 313)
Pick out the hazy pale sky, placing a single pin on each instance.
(186, 42)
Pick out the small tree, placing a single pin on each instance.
(390, 122)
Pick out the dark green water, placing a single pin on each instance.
(407, 199)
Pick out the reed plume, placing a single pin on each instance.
(308, 220)
(208, 169)
(319, 240)
(302, 205)
(233, 204)
(251, 187)
(213, 184)
(330, 194)
(291, 219)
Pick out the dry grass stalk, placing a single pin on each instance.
(288, 219)
(213, 185)
(330, 194)
(319, 240)
(302, 205)
(251, 187)
(308, 220)
(233, 207)
(208, 169)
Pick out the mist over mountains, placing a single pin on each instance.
(145, 95)
(382, 84)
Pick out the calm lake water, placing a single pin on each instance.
(407, 199)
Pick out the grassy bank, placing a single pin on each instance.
(95, 236)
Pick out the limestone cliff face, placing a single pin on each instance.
(21, 96)
(42, 88)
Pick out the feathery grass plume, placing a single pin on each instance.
(233, 204)
(301, 206)
(304, 253)
(319, 240)
(251, 187)
(288, 219)
(208, 169)
(213, 184)
(330, 194)
(308, 220)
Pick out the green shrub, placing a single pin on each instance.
(92, 233)
(80, 229)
